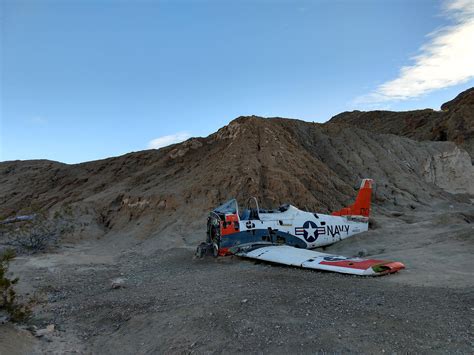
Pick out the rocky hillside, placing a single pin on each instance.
(166, 193)
(455, 122)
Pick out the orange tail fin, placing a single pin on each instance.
(361, 206)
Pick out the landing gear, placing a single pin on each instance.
(199, 251)
(213, 240)
(204, 249)
(215, 250)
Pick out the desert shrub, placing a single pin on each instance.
(33, 237)
(8, 300)
(33, 233)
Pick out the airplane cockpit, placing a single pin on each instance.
(251, 212)
(229, 207)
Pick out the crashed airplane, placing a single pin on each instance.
(286, 234)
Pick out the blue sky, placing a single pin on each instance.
(84, 80)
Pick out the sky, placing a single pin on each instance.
(88, 79)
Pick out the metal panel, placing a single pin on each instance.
(311, 259)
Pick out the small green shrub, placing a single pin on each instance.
(8, 300)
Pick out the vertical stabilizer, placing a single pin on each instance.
(361, 206)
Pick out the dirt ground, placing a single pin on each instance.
(170, 302)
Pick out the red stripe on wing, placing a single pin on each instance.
(380, 266)
(352, 264)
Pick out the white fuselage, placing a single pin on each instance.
(314, 229)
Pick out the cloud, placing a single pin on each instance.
(167, 140)
(447, 59)
(38, 120)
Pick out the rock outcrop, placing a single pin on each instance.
(455, 122)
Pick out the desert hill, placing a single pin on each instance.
(455, 122)
(314, 166)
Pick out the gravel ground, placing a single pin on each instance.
(170, 302)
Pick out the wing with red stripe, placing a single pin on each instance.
(287, 255)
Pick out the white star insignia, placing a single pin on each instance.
(310, 230)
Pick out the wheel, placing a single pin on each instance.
(199, 251)
(215, 250)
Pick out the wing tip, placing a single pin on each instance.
(388, 267)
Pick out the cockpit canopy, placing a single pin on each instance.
(229, 207)
(251, 212)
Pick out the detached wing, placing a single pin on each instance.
(287, 255)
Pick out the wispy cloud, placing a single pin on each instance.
(447, 59)
(38, 120)
(167, 140)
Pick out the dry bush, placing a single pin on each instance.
(33, 233)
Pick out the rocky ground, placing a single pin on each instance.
(105, 299)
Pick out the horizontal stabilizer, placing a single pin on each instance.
(310, 259)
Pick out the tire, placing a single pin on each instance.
(199, 251)
(215, 250)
